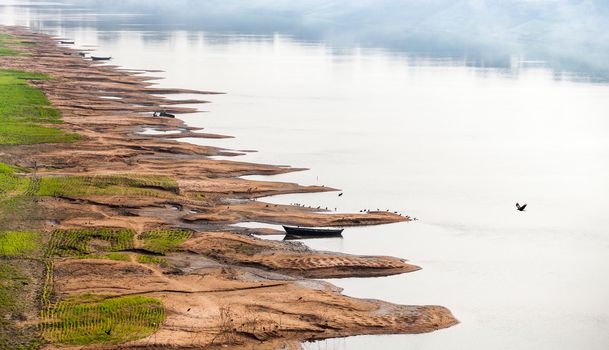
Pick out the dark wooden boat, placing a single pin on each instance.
(67, 42)
(312, 232)
(101, 58)
(166, 115)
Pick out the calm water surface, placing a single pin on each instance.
(437, 138)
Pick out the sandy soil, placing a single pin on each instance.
(224, 289)
(292, 259)
(220, 305)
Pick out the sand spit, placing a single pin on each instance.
(221, 289)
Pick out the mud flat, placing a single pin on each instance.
(127, 215)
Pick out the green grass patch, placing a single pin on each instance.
(30, 133)
(95, 319)
(7, 40)
(116, 256)
(10, 45)
(12, 281)
(5, 51)
(23, 110)
(7, 169)
(123, 185)
(19, 244)
(20, 212)
(164, 241)
(10, 182)
(89, 241)
(156, 260)
(18, 298)
(108, 256)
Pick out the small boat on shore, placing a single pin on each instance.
(66, 42)
(163, 114)
(101, 58)
(312, 232)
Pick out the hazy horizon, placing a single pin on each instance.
(569, 36)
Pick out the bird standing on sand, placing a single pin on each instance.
(520, 207)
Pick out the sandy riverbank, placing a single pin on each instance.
(219, 288)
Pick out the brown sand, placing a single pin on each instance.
(241, 291)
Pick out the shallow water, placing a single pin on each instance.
(434, 137)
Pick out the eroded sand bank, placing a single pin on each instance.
(222, 288)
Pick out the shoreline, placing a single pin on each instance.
(219, 288)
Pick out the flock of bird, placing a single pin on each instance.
(335, 209)
(518, 207)
(310, 207)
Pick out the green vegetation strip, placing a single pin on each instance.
(97, 319)
(124, 185)
(109, 256)
(156, 260)
(164, 241)
(10, 182)
(19, 252)
(7, 40)
(13, 189)
(16, 300)
(11, 282)
(81, 242)
(105, 243)
(23, 110)
(18, 244)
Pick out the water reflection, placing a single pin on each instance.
(450, 134)
(570, 36)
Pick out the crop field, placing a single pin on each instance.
(18, 209)
(124, 185)
(18, 269)
(80, 242)
(12, 186)
(100, 242)
(18, 244)
(11, 45)
(156, 260)
(163, 241)
(23, 110)
(31, 313)
(16, 299)
(8, 40)
(10, 182)
(109, 256)
(98, 319)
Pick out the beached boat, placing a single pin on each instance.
(101, 58)
(66, 42)
(312, 232)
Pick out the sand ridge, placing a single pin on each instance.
(223, 289)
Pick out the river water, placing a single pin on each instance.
(450, 138)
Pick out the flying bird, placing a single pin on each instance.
(340, 194)
(520, 207)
